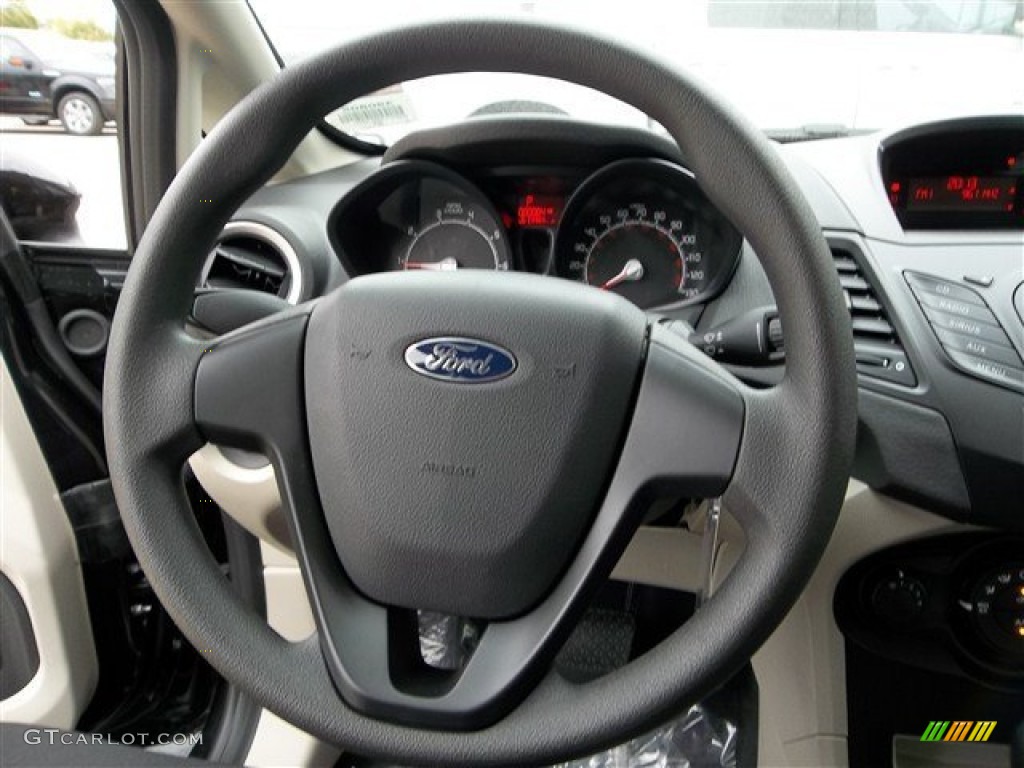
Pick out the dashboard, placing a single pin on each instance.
(933, 285)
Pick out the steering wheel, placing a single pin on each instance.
(504, 483)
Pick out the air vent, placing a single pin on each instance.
(252, 256)
(879, 351)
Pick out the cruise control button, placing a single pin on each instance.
(988, 350)
(1003, 374)
(958, 308)
(967, 327)
(926, 284)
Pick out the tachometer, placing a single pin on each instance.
(643, 229)
(417, 215)
(454, 233)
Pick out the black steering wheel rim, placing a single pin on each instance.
(789, 476)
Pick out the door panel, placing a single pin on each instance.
(39, 557)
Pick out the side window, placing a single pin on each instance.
(60, 178)
(788, 14)
(14, 54)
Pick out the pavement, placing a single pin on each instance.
(91, 163)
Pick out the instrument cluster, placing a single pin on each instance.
(641, 228)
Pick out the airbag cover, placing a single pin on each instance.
(464, 484)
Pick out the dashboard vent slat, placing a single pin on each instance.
(872, 326)
(853, 284)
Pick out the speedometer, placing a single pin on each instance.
(643, 229)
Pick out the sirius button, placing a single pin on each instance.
(967, 327)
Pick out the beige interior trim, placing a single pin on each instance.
(249, 495)
(663, 557)
(39, 555)
(279, 743)
(288, 611)
(222, 56)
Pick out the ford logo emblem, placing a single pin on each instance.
(460, 360)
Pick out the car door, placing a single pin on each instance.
(24, 85)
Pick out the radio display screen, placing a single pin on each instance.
(962, 175)
(961, 193)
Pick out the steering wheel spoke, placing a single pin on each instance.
(248, 386)
(687, 424)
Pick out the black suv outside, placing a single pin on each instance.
(45, 76)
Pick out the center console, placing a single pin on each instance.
(934, 632)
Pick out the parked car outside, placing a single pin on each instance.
(44, 76)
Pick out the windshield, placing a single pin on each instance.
(798, 68)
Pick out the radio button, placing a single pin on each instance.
(960, 309)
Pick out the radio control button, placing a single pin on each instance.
(982, 331)
(926, 284)
(956, 308)
(997, 372)
(988, 350)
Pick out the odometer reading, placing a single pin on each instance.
(644, 230)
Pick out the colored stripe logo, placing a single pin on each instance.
(958, 730)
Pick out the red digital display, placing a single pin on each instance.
(538, 211)
(960, 193)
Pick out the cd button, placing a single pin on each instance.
(926, 284)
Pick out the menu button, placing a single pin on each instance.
(1003, 374)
